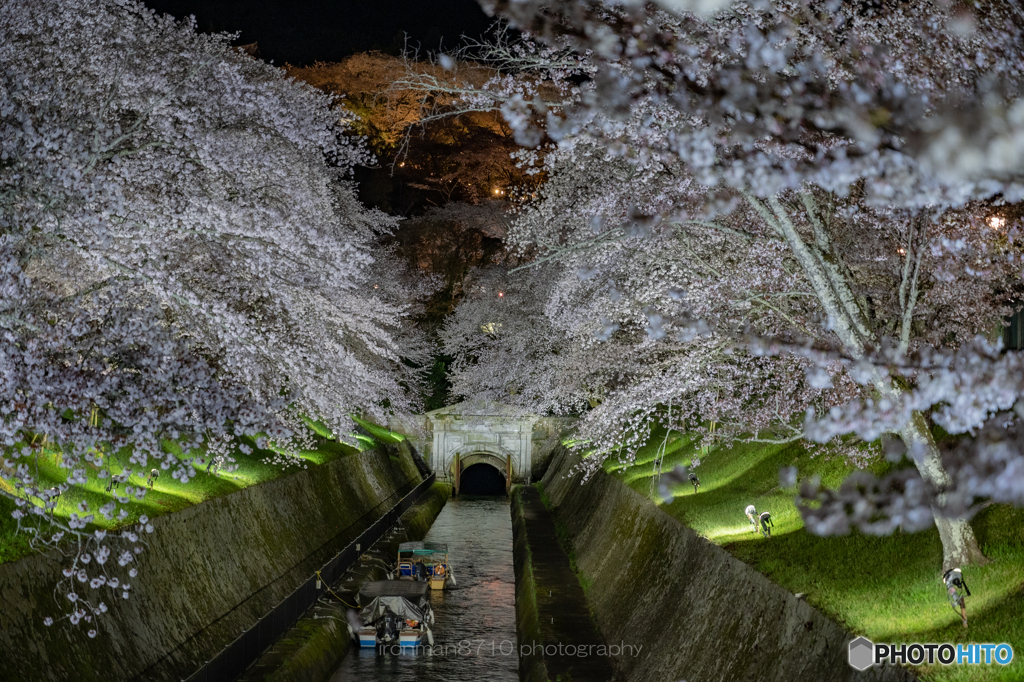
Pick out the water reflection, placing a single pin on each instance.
(475, 631)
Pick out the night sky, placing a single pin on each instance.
(304, 31)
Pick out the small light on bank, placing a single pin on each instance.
(996, 222)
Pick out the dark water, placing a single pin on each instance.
(475, 627)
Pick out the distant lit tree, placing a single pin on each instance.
(466, 156)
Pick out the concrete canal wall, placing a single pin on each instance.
(558, 638)
(314, 648)
(210, 572)
(531, 665)
(698, 612)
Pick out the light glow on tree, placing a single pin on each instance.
(773, 219)
(182, 258)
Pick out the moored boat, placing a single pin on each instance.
(394, 612)
(425, 561)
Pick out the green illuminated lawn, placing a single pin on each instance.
(169, 495)
(380, 433)
(887, 588)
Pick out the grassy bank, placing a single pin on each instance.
(168, 494)
(887, 588)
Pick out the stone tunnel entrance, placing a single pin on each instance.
(482, 479)
(472, 437)
(481, 473)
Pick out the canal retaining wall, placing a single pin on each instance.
(314, 648)
(558, 639)
(698, 612)
(209, 573)
(531, 662)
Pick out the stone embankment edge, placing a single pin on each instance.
(700, 613)
(531, 665)
(209, 573)
(315, 647)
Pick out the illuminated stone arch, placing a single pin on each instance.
(481, 433)
(499, 457)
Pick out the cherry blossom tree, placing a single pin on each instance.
(917, 102)
(507, 349)
(183, 259)
(795, 182)
(719, 321)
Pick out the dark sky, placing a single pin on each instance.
(303, 31)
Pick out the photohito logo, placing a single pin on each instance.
(864, 653)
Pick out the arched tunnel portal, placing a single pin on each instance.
(481, 473)
(474, 436)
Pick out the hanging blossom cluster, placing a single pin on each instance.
(687, 310)
(762, 210)
(920, 103)
(182, 258)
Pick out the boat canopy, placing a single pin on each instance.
(423, 548)
(407, 600)
(392, 588)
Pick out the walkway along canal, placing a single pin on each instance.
(475, 630)
(558, 638)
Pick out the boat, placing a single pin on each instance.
(425, 561)
(394, 612)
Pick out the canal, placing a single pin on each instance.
(475, 628)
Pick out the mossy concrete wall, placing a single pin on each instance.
(548, 433)
(314, 648)
(699, 613)
(210, 572)
(531, 664)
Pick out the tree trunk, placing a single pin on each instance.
(959, 546)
